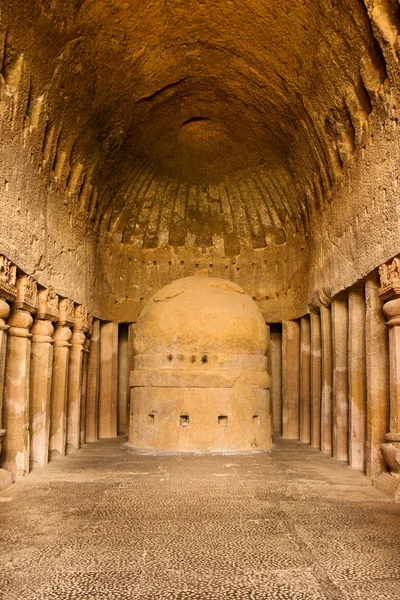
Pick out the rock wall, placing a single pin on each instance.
(273, 165)
(44, 225)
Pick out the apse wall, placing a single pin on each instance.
(274, 276)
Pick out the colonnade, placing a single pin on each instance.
(59, 380)
(335, 373)
(335, 376)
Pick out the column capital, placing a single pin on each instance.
(20, 322)
(66, 312)
(389, 292)
(8, 278)
(389, 278)
(78, 339)
(63, 333)
(47, 305)
(4, 314)
(26, 298)
(42, 331)
(83, 319)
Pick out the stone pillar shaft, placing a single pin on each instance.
(377, 368)
(41, 377)
(275, 361)
(340, 430)
(327, 372)
(17, 375)
(108, 396)
(93, 380)
(290, 379)
(394, 370)
(357, 379)
(131, 357)
(75, 379)
(123, 379)
(8, 293)
(316, 379)
(4, 314)
(86, 352)
(390, 295)
(59, 391)
(16, 397)
(305, 365)
(5, 476)
(74, 390)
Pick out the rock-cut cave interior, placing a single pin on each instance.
(200, 300)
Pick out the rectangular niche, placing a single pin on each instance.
(150, 419)
(223, 421)
(256, 420)
(184, 420)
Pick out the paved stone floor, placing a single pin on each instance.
(108, 523)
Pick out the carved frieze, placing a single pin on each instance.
(26, 294)
(48, 305)
(67, 312)
(8, 278)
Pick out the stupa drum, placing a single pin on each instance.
(200, 379)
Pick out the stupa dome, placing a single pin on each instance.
(200, 314)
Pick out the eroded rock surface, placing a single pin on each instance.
(142, 141)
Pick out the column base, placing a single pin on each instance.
(388, 484)
(5, 479)
(391, 455)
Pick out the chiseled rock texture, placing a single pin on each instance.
(200, 380)
(111, 524)
(140, 142)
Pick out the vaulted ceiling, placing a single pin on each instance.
(194, 118)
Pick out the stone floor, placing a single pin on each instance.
(108, 523)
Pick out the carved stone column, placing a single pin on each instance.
(123, 379)
(357, 378)
(340, 397)
(291, 379)
(108, 396)
(377, 371)
(315, 377)
(86, 352)
(131, 331)
(8, 291)
(305, 376)
(275, 361)
(59, 387)
(390, 295)
(81, 326)
(327, 379)
(41, 376)
(17, 390)
(92, 390)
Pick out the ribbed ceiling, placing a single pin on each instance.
(192, 119)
